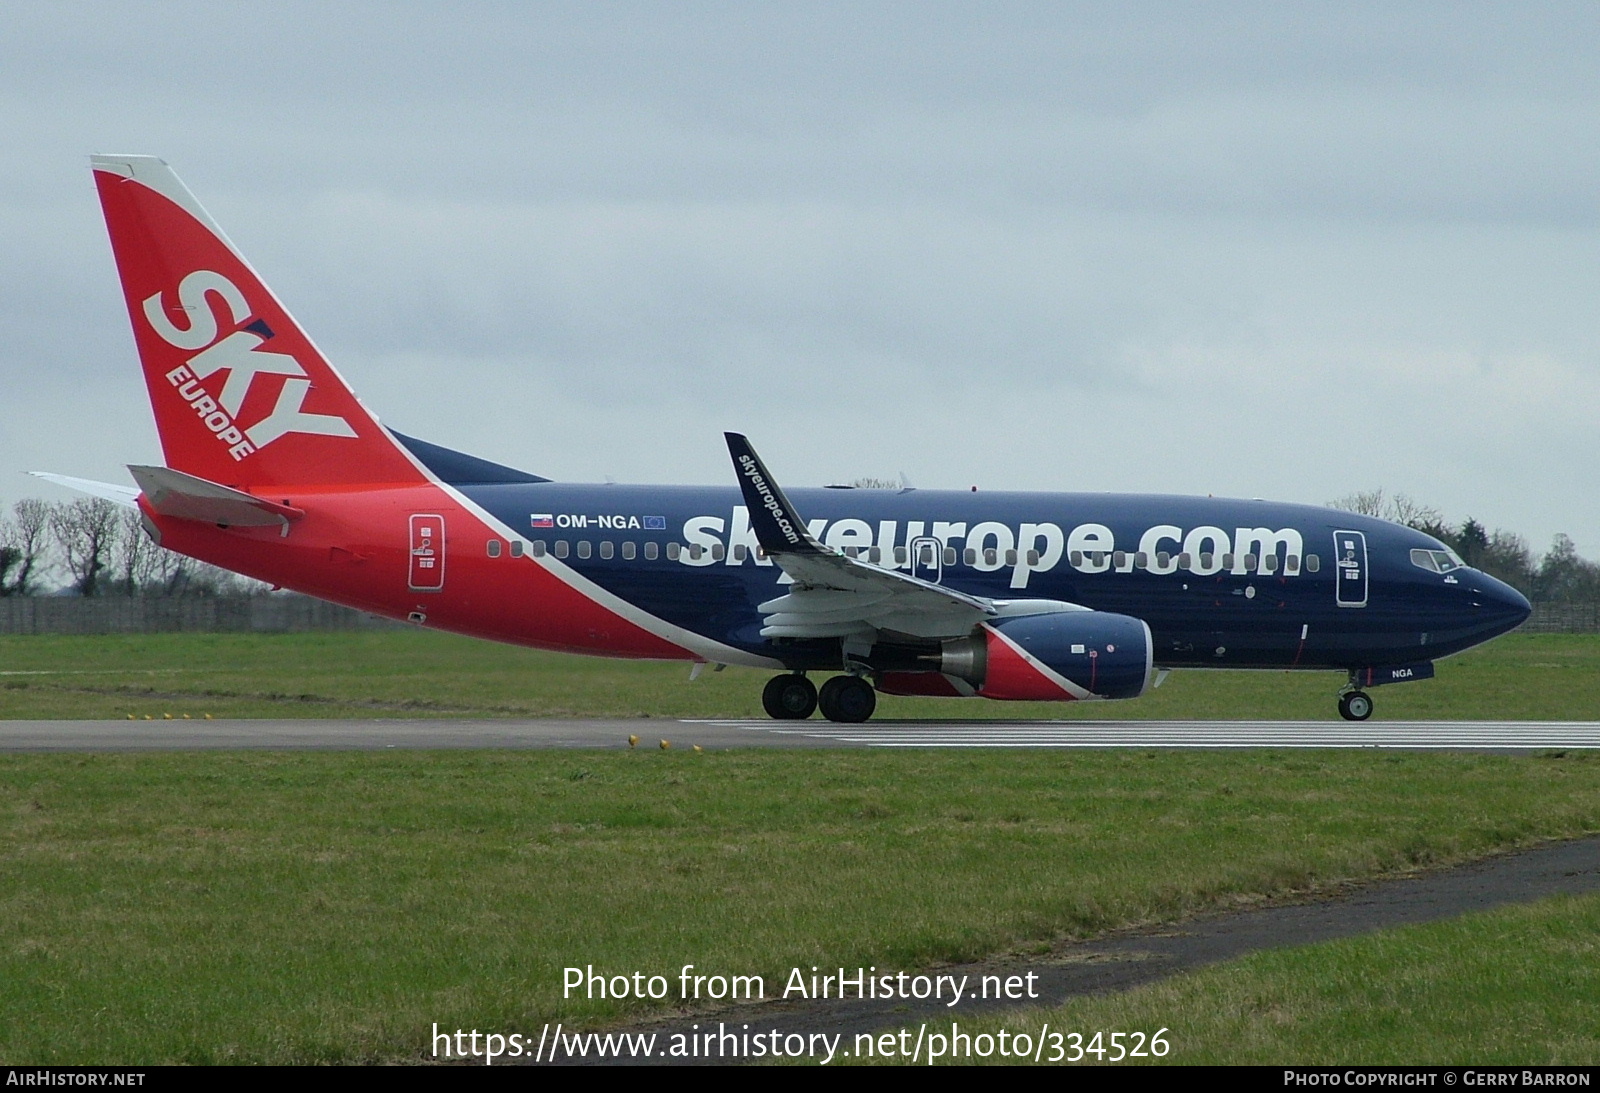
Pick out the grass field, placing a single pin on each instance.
(318, 907)
(1514, 987)
(322, 907)
(422, 674)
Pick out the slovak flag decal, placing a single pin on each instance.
(542, 520)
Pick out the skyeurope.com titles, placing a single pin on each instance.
(691, 985)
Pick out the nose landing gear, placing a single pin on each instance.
(1355, 705)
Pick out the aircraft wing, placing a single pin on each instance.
(835, 595)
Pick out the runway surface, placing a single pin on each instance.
(298, 734)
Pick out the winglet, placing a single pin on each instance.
(779, 529)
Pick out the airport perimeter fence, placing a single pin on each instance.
(276, 613)
(284, 613)
(1563, 618)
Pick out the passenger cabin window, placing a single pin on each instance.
(900, 556)
(673, 550)
(516, 548)
(716, 552)
(1033, 557)
(629, 551)
(949, 555)
(1119, 558)
(494, 549)
(739, 552)
(538, 548)
(607, 550)
(1291, 564)
(561, 548)
(1313, 563)
(1011, 557)
(584, 549)
(651, 551)
(1141, 560)
(970, 556)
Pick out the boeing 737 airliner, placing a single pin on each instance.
(275, 470)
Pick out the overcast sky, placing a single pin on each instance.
(1279, 251)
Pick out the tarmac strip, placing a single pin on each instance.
(179, 734)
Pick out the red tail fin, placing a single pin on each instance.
(240, 393)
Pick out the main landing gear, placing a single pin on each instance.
(789, 698)
(849, 699)
(1355, 705)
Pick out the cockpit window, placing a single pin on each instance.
(1436, 561)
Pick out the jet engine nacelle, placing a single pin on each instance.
(1054, 657)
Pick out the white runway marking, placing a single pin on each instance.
(1196, 734)
(451, 733)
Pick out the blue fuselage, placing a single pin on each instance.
(1221, 582)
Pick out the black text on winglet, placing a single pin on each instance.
(779, 529)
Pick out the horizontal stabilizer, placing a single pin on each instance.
(126, 496)
(173, 493)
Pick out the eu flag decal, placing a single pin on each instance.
(655, 523)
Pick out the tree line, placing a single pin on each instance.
(93, 547)
(1558, 575)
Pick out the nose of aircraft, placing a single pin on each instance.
(1497, 606)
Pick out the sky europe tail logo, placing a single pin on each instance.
(239, 355)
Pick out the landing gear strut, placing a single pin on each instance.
(1355, 705)
(789, 698)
